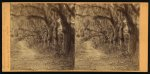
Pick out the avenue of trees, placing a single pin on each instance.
(112, 25)
(54, 28)
(44, 26)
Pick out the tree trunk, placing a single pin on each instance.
(134, 32)
(69, 37)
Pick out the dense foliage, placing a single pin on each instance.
(54, 27)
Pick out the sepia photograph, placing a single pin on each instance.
(74, 36)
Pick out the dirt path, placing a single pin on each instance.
(89, 58)
(86, 58)
(28, 59)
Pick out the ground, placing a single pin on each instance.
(89, 58)
(86, 58)
(24, 58)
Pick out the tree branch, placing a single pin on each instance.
(39, 9)
(87, 6)
(33, 17)
(135, 10)
(95, 17)
(69, 9)
(29, 16)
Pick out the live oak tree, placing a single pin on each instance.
(51, 27)
(113, 24)
(46, 27)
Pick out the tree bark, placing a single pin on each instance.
(69, 37)
(134, 32)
